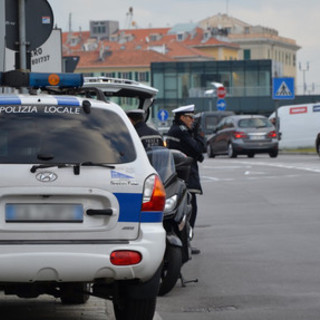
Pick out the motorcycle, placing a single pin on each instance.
(173, 167)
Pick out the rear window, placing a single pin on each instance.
(211, 122)
(63, 134)
(254, 123)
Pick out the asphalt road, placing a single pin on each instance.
(258, 231)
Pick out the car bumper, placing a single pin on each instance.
(256, 147)
(82, 262)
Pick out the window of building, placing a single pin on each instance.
(108, 74)
(180, 36)
(142, 76)
(88, 74)
(125, 75)
(246, 54)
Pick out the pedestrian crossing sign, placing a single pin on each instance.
(283, 88)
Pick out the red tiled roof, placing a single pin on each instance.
(120, 58)
(139, 47)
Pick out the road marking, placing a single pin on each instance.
(282, 165)
(249, 165)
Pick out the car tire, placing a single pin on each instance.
(318, 149)
(75, 293)
(273, 154)
(231, 152)
(127, 308)
(171, 269)
(251, 155)
(209, 151)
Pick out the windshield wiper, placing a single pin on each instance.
(94, 164)
(91, 164)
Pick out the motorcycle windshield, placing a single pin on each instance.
(162, 160)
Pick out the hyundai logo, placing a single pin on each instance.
(46, 176)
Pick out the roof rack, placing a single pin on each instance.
(110, 80)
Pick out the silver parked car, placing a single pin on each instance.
(243, 134)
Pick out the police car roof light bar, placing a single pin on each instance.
(20, 79)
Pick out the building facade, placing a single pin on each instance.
(256, 42)
(248, 85)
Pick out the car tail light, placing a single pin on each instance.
(272, 134)
(239, 135)
(154, 195)
(125, 257)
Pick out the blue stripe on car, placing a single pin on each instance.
(154, 216)
(67, 101)
(130, 209)
(10, 100)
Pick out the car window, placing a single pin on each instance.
(210, 122)
(229, 124)
(61, 134)
(220, 125)
(254, 123)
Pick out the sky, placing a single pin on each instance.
(295, 19)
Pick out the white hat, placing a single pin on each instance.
(184, 109)
(135, 112)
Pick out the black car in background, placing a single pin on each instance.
(243, 134)
(318, 144)
(206, 122)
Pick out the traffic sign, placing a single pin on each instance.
(221, 92)
(38, 27)
(163, 115)
(283, 88)
(221, 105)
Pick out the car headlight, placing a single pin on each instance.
(171, 203)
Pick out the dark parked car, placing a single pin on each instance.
(318, 144)
(207, 121)
(243, 134)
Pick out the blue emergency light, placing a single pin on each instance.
(19, 79)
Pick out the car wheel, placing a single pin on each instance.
(231, 152)
(209, 151)
(273, 154)
(75, 293)
(318, 149)
(127, 308)
(251, 155)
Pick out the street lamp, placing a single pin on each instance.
(304, 76)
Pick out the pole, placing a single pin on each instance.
(304, 76)
(22, 35)
(277, 122)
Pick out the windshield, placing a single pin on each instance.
(63, 134)
(162, 160)
(211, 122)
(254, 123)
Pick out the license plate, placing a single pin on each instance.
(35, 212)
(257, 137)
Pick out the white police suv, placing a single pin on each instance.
(80, 205)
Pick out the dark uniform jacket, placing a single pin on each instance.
(190, 143)
(149, 137)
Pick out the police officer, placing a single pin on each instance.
(183, 136)
(149, 137)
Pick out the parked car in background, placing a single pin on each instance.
(243, 134)
(318, 144)
(206, 122)
(298, 125)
